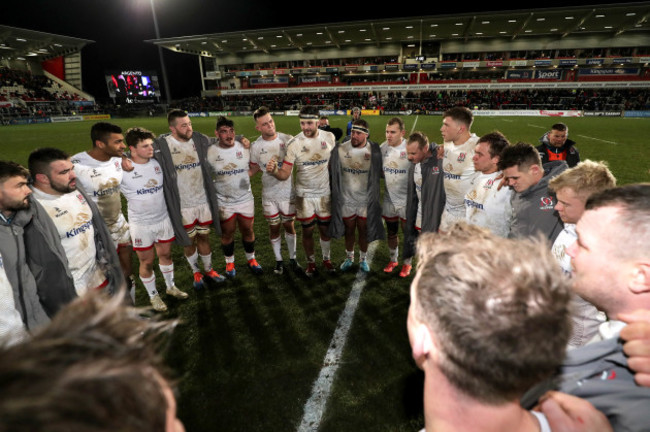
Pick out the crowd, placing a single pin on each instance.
(530, 263)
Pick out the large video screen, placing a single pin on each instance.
(132, 84)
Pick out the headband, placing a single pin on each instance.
(360, 129)
(309, 116)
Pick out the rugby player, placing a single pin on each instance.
(151, 229)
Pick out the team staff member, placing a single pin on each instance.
(556, 145)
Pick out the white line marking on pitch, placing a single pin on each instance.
(315, 406)
(596, 139)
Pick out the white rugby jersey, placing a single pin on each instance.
(189, 176)
(488, 207)
(73, 219)
(355, 167)
(230, 167)
(311, 157)
(143, 189)
(262, 151)
(12, 328)
(395, 166)
(458, 169)
(101, 181)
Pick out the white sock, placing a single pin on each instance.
(168, 274)
(291, 244)
(150, 285)
(325, 248)
(350, 255)
(407, 261)
(362, 255)
(249, 255)
(207, 262)
(193, 260)
(276, 244)
(393, 254)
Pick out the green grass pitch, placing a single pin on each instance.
(248, 350)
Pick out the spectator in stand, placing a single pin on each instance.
(556, 145)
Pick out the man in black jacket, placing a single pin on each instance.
(556, 145)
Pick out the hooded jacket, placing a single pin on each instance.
(549, 153)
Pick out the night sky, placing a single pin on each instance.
(120, 27)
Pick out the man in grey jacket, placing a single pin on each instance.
(425, 192)
(33, 259)
(533, 204)
(611, 262)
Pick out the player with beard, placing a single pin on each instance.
(278, 197)
(309, 152)
(99, 171)
(190, 195)
(55, 188)
(355, 173)
(230, 163)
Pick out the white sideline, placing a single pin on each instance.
(315, 406)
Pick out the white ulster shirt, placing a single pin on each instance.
(311, 157)
(395, 166)
(73, 219)
(262, 151)
(143, 189)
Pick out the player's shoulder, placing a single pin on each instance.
(79, 157)
(285, 138)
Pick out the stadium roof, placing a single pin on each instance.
(600, 21)
(22, 44)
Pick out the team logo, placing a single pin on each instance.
(435, 170)
(118, 167)
(323, 145)
(402, 155)
(461, 157)
(488, 184)
(138, 242)
(546, 203)
(239, 154)
(282, 146)
(59, 212)
(366, 156)
(94, 174)
(156, 170)
(81, 198)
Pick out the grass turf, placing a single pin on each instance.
(248, 350)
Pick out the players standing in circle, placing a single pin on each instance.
(355, 168)
(309, 152)
(278, 197)
(189, 192)
(395, 166)
(458, 166)
(230, 163)
(99, 171)
(151, 229)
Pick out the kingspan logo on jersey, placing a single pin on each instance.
(152, 187)
(79, 230)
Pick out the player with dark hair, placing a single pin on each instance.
(278, 196)
(151, 229)
(99, 171)
(190, 194)
(230, 163)
(309, 152)
(556, 145)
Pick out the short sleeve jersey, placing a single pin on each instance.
(72, 217)
(189, 176)
(230, 167)
(458, 168)
(311, 157)
(355, 167)
(101, 181)
(143, 189)
(262, 151)
(395, 166)
(488, 207)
